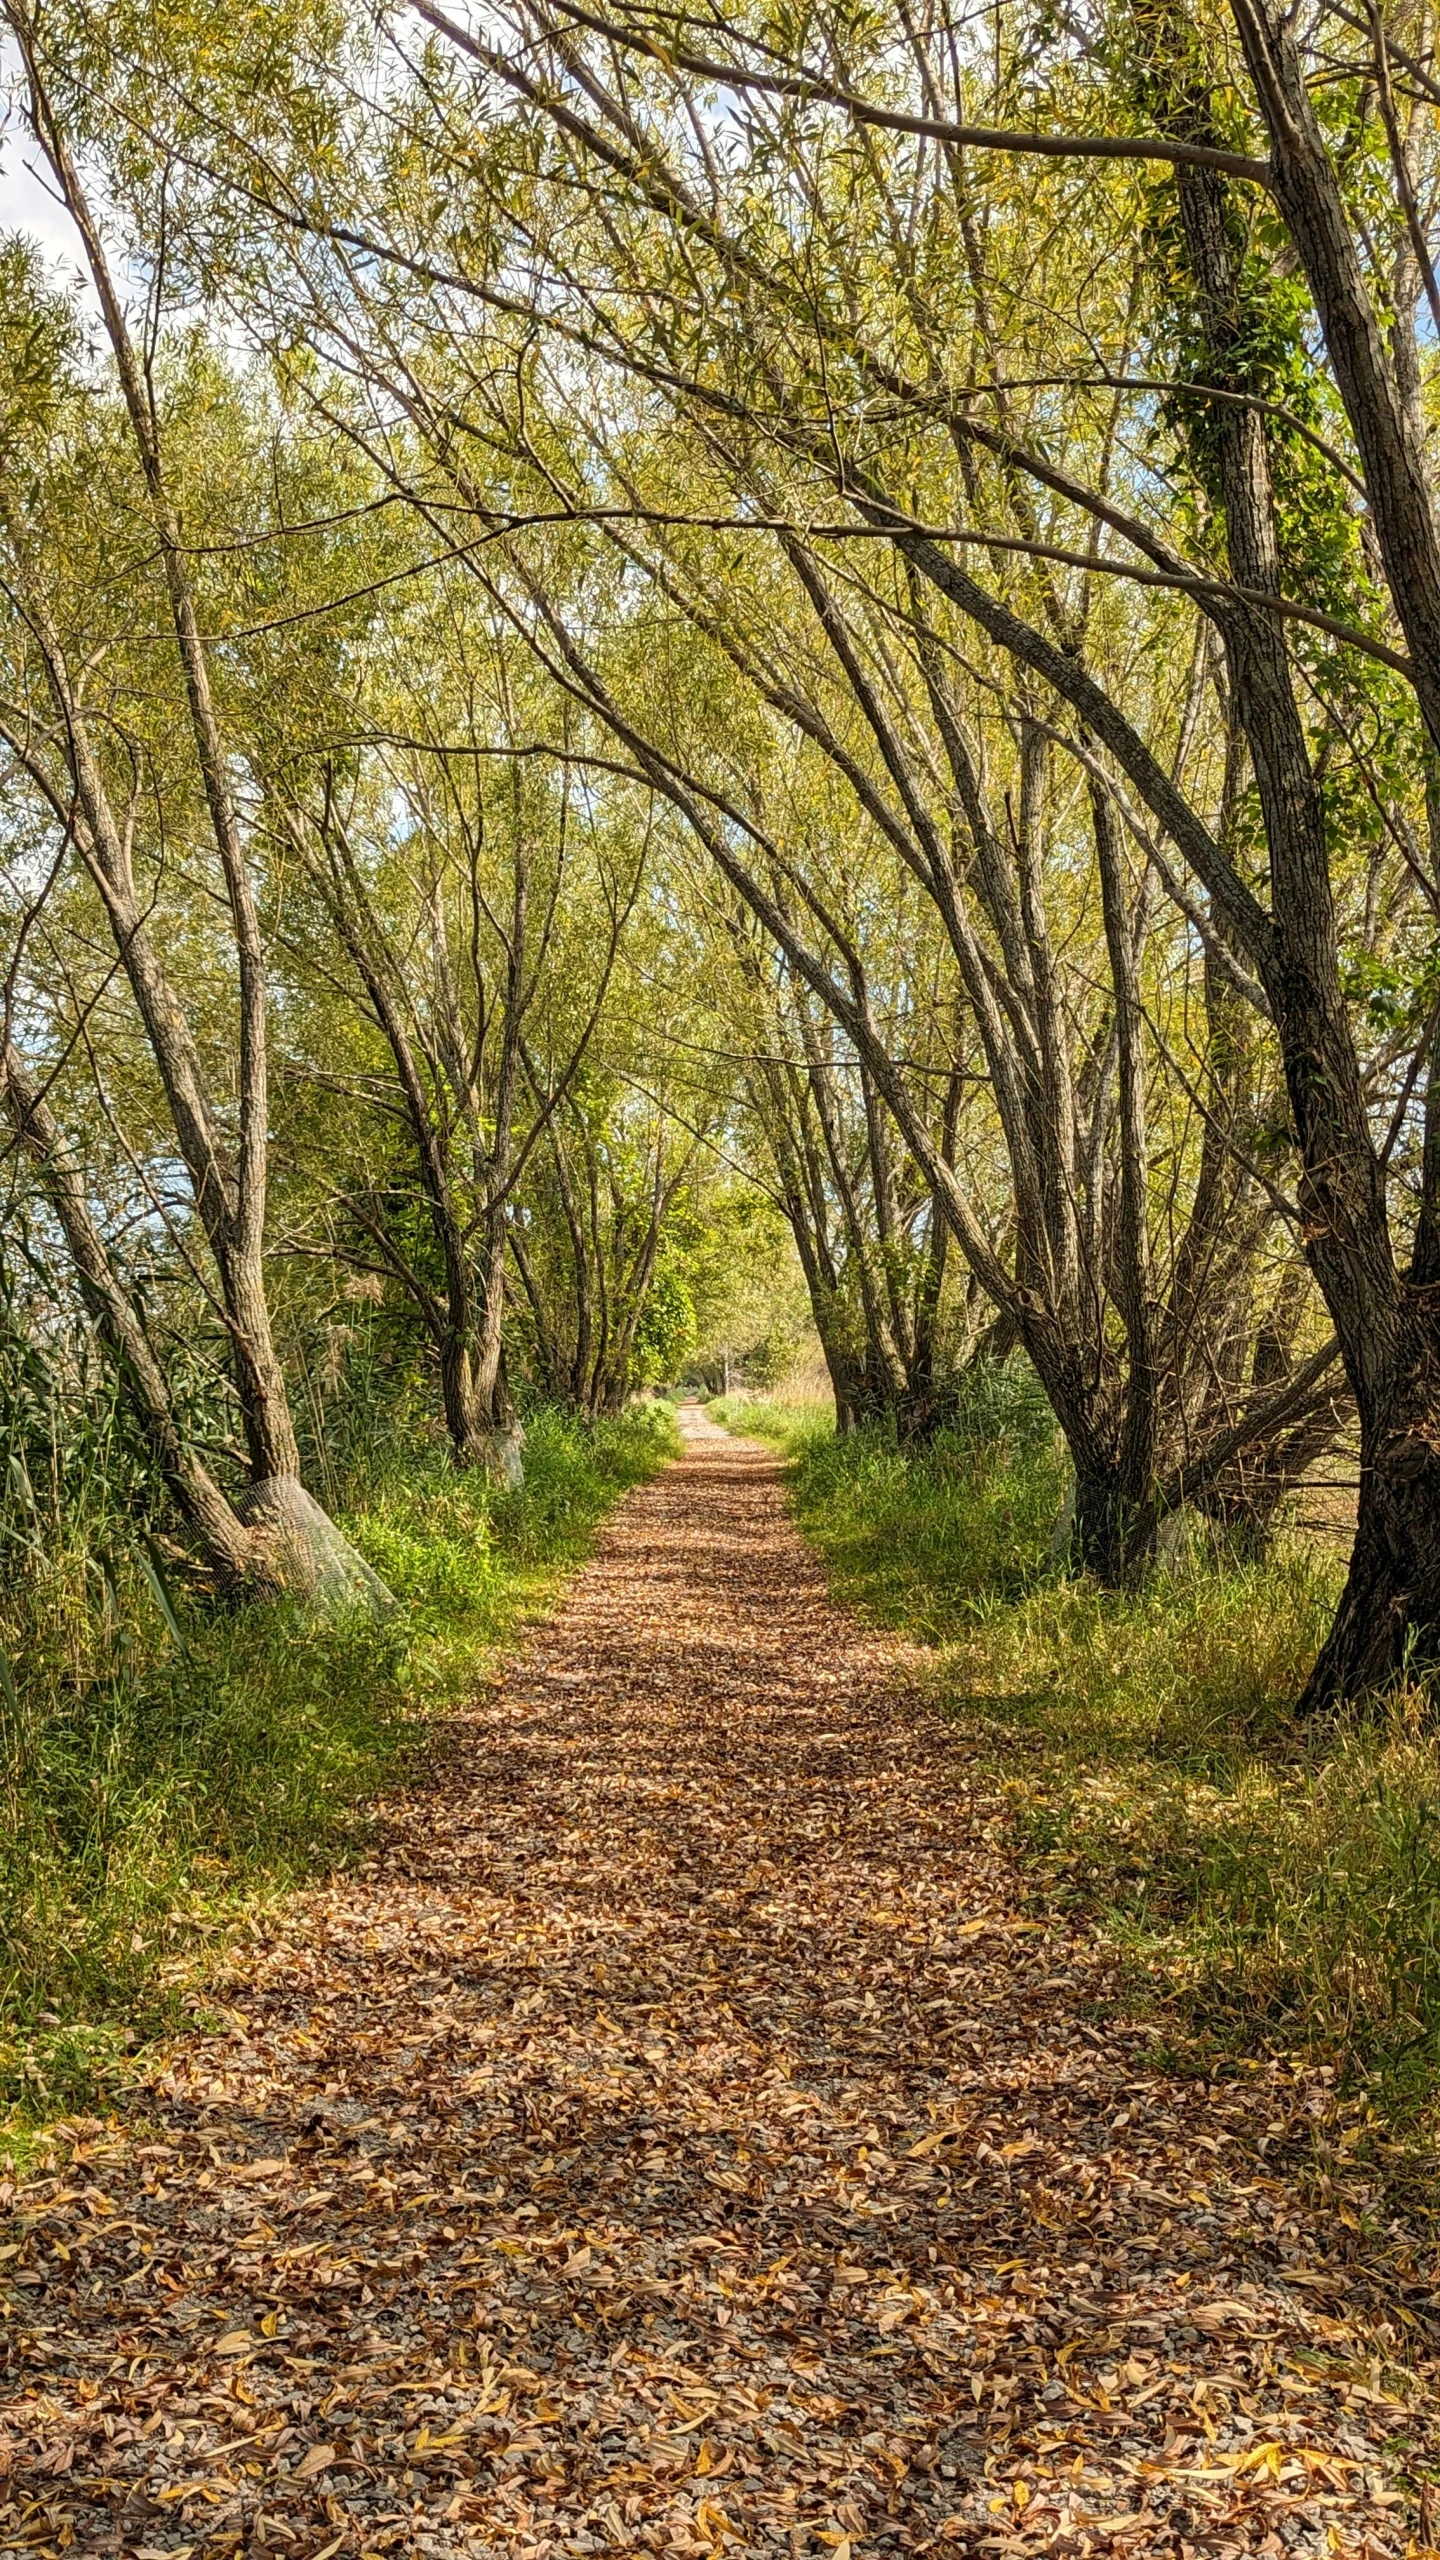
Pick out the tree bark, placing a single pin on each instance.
(229, 1188)
(1385, 1328)
(221, 1536)
(235, 1208)
(1387, 427)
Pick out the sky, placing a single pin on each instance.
(27, 201)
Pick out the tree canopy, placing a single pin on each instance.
(662, 670)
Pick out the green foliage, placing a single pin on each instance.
(665, 1330)
(150, 1789)
(37, 342)
(453, 834)
(1278, 1885)
(794, 1429)
(1273, 1885)
(923, 1542)
(739, 1264)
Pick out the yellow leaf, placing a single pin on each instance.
(1263, 2457)
(269, 2324)
(234, 2343)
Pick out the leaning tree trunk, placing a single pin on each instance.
(274, 1539)
(291, 1541)
(1391, 1603)
(222, 1537)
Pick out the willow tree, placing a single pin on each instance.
(826, 283)
(477, 909)
(702, 294)
(909, 284)
(872, 1241)
(96, 570)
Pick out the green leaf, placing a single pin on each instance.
(150, 1566)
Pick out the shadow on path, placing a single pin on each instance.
(677, 2140)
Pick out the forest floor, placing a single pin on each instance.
(681, 2135)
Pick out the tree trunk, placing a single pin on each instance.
(1385, 1333)
(1387, 432)
(1112, 1530)
(465, 1418)
(235, 1219)
(483, 1431)
(229, 1185)
(221, 1536)
(502, 1437)
(298, 1549)
(1389, 1614)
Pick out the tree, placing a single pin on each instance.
(94, 766)
(905, 456)
(453, 943)
(605, 1311)
(843, 366)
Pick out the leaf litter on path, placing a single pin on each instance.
(678, 2139)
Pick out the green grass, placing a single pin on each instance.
(1273, 1886)
(919, 1543)
(152, 1789)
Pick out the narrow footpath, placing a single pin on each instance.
(678, 2139)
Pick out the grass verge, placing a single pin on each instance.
(1275, 1885)
(157, 1778)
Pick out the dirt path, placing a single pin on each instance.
(678, 2142)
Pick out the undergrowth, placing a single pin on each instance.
(1276, 1884)
(163, 1765)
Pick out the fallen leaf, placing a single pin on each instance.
(679, 2175)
